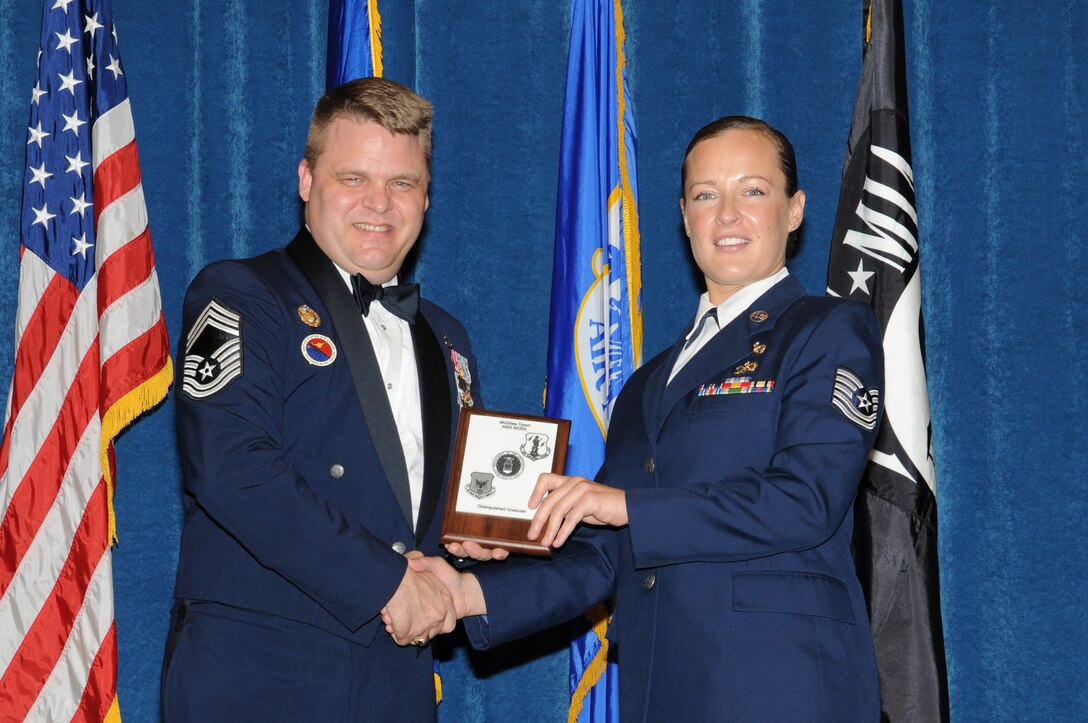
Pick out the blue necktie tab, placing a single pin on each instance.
(698, 330)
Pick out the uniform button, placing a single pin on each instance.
(337, 471)
(389, 385)
(399, 548)
(649, 582)
(650, 465)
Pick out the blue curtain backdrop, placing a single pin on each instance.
(221, 94)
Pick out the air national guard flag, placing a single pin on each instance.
(355, 41)
(875, 259)
(355, 51)
(91, 355)
(595, 335)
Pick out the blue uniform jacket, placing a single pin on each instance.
(736, 597)
(296, 491)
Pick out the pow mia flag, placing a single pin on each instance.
(213, 351)
(874, 259)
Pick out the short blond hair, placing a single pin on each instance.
(393, 106)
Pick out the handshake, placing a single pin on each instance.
(433, 596)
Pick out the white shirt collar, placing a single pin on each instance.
(732, 307)
(347, 277)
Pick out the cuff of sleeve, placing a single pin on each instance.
(478, 630)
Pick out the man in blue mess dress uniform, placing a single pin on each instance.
(316, 418)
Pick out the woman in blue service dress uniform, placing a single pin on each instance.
(722, 516)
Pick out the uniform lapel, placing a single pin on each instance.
(365, 373)
(729, 347)
(653, 399)
(434, 399)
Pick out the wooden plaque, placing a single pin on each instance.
(496, 463)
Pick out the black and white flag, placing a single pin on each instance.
(875, 259)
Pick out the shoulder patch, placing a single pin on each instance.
(213, 351)
(857, 403)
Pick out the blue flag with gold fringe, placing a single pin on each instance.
(355, 41)
(595, 334)
(355, 51)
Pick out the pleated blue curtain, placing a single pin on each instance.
(221, 95)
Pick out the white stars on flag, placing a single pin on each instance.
(72, 122)
(76, 163)
(69, 82)
(860, 278)
(91, 24)
(42, 215)
(59, 204)
(79, 205)
(37, 135)
(40, 174)
(114, 67)
(66, 41)
(80, 245)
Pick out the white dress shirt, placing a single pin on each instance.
(726, 312)
(391, 337)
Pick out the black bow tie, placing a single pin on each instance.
(401, 299)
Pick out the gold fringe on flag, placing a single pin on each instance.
(631, 241)
(374, 19)
(600, 618)
(137, 401)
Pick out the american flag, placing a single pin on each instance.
(91, 355)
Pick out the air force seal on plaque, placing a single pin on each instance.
(857, 403)
(213, 351)
(481, 484)
(507, 465)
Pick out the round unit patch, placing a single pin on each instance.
(319, 350)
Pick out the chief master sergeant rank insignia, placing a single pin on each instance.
(213, 351)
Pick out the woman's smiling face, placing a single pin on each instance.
(736, 211)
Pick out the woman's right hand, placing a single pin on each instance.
(562, 503)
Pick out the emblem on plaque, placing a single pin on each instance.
(536, 446)
(481, 484)
(507, 465)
